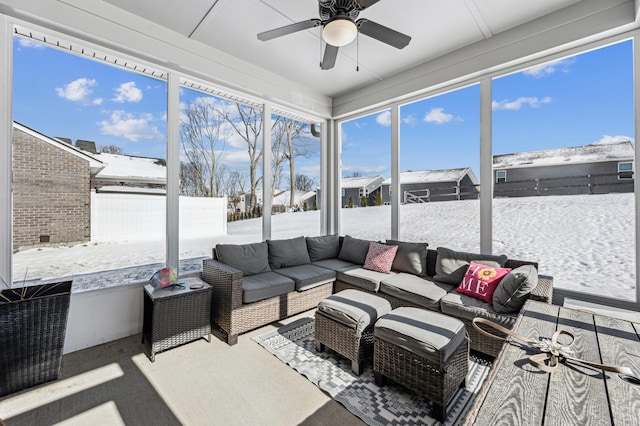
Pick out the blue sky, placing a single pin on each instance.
(570, 102)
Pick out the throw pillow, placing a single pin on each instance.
(514, 289)
(380, 257)
(354, 250)
(410, 258)
(251, 259)
(291, 252)
(480, 281)
(451, 265)
(324, 247)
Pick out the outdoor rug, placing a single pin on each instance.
(294, 344)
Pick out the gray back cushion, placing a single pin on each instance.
(410, 257)
(251, 259)
(324, 247)
(514, 289)
(354, 250)
(292, 252)
(451, 265)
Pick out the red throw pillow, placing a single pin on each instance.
(480, 281)
(380, 257)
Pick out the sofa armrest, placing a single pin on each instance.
(543, 292)
(227, 287)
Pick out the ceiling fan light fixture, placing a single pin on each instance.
(339, 32)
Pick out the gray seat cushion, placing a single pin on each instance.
(363, 278)
(324, 247)
(467, 307)
(428, 334)
(354, 250)
(264, 286)
(355, 309)
(410, 257)
(291, 252)
(416, 290)
(251, 259)
(335, 264)
(308, 276)
(451, 265)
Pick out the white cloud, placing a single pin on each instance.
(410, 119)
(233, 159)
(24, 42)
(384, 118)
(544, 70)
(128, 126)
(533, 102)
(606, 139)
(77, 91)
(97, 101)
(438, 116)
(128, 92)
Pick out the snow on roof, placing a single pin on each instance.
(596, 152)
(359, 181)
(298, 196)
(124, 167)
(432, 176)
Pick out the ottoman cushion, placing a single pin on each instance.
(431, 335)
(355, 309)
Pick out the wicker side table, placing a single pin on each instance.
(174, 316)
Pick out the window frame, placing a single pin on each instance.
(498, 177)
(622, 174)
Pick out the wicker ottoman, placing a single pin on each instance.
(423, 350)
(344, 323)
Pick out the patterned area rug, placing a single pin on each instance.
(391, 404)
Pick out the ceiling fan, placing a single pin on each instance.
(340, 27)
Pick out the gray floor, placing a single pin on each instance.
(196, 384)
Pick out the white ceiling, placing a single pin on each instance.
(437, 27)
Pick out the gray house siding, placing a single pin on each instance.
(569, 179)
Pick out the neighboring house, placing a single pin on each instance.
(129, 171)
(356, 187)
(281, 201)
(51, 190)
(245, 200)
(598, 168)
(434, 185)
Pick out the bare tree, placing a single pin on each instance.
(203, 139)
(304, 183)
(111, 149)
(248, 125)
(291, 141)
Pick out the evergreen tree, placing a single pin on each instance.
(351, 204)
(305, 206)
(378, 198)
(315, 204)
(363, 201)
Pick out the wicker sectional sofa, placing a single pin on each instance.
(256, 284)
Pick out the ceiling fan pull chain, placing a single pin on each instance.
(358, 51)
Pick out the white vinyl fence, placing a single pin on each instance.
(140, 217)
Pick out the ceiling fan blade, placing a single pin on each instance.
(382, 33)
(363, 4)
(288, 29)
(329, 58)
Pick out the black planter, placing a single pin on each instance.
(33, 323)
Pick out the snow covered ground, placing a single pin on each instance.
(586, 242)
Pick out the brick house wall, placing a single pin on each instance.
(51, 194)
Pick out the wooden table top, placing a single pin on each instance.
(517, 393)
